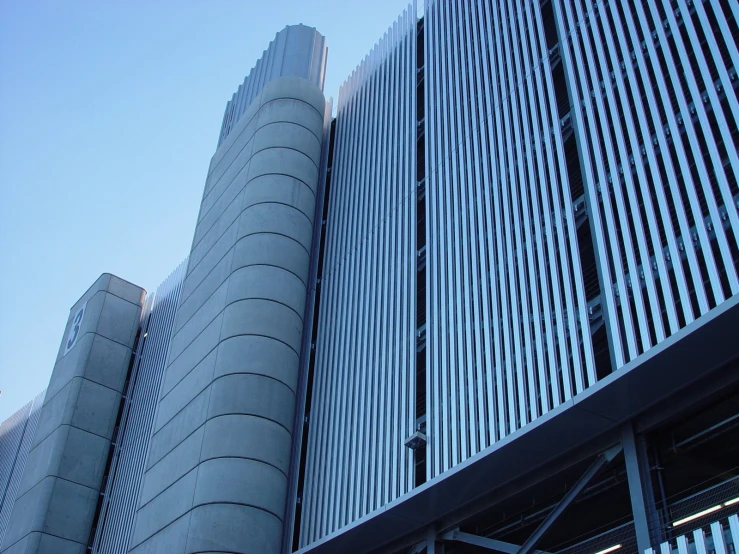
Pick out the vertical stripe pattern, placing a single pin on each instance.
(285, 56)
(720, 537)
(508, 330)
(656, 115)
(581, 206)
(16, 437)
(120, 496)
(363, 399)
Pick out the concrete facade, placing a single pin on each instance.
(58, 495)
(219, 456)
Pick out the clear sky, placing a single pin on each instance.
(109, 114)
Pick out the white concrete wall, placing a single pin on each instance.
(217, 470)
(56, 501)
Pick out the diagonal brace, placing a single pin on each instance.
(484, 542)
(592, 471)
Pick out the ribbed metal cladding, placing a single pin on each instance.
(722, 535)
(297, 51)
(656, 118)
(508, 333)
(580, 190)
(363, 398)
(116, 518)
(16, 437)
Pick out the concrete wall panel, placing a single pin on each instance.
(93, 308)
(175, 465)
(83, 458)
(71, 365)
(276, 219)
(254, 395)
(224, 210)
(202, 269)
(263, 318)
(246, 436)
(119, 320)
(290, 90)
(54, 506)
(234, 143)
(57, 410)
(172, 538)
(281, 189)
(68, 453)
(107, 363)
(170, 505)
(177, 429)
(230, 480)
(209, 309)
(272, 249)
(198, 349)
(186, 390)
(40, 542)
(258, 355)
(293, 111)
(288, 135)
(222, 200)
(43, 460)
(224, 426)
(231, 178)
(268, 283)
(59, 492)
(284, 161)
(206, 279)
(125, 290)
(233, 528)
(234, 153)
(70, 510)
(198, 352)
(97, 359)
(28, 513)
(96, 409)
(220, 242)
(83, 404)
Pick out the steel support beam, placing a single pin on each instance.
(433, 545)
(484, 542)
(592, 471)
(646, 519)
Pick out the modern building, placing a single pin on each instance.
(490, 306)
(16, 436)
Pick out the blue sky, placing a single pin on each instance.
(109, 114)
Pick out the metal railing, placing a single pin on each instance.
(720, 537)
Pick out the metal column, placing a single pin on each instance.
(646, 518)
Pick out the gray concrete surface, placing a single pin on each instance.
(217, 469)
(57, 498)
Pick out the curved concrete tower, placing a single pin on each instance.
(218, 462)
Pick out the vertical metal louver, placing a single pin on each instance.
(16, 438)
(508, 334)
(362, 408)
(656, 116)
(120, 497)
(578, 192)
(297, 50)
